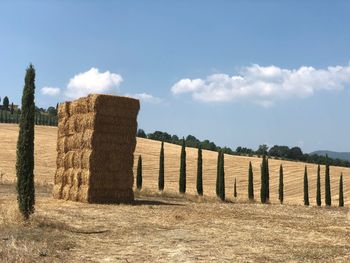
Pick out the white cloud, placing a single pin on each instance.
(145, 97)
(264, 85)
(92, 81)
(50, 91)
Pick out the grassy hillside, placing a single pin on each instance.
(235, 166)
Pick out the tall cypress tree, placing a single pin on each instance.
(250, 182)
(264, 191)
(235, 189)
(25, 147)
(222, 177)
(267, 180)
(218, 174)
(161, 168)
(306, 188)
(200, 171)
(139, 174)
(328, 197)
(281, 186)
(341, 194)
(182, 179)
(318, 187)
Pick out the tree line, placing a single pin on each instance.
(276, 152)
(264, 182)
(10, 113)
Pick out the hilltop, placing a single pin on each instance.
(335, 155)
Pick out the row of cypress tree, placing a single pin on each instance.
(220, 179)
(39, 119)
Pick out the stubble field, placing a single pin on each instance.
(169, 227)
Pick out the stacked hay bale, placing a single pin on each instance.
(95, 149)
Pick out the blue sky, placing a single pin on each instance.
(240, 73)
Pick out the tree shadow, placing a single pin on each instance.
(139, 202)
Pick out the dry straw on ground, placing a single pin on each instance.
(95, 147)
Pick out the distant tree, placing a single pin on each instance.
(250, 182)
(328, 197)
(6, 120)
(6, 103)
(17, 116)
(243, 150)
(207, 145)
(12, 108)
(199, 172)
(192, 141)
(279, 151)
(160, 136)
(1, 116)
(139, 174)
(161, 168)
(222, 177)
(341, 194)
(25, 148)
(39, 119)
(141, 133)
(318, 187)
(306, 188)
(235, 189)
(175, 139)
(182, 180)
(263, 149)
(295, 153)
(281, 186)
(52, 111)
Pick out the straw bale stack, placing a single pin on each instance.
(95, 149)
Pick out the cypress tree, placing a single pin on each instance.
(6, 119)
(161, 168)
(139, 174)
(264, 179)
(341, 194)
(25, 147)
(250, 182)
(11, 109)
(1, 117)
(17, 117)
(328, 198)
(200, 171)
(235, 189)
(222, 177)
(318, 187)
(5, 103)
(267, 180)
(182, 179)
(306, 188)
(281, 186)
(41, 119)
(218, 174)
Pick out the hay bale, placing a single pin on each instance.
(95, 149)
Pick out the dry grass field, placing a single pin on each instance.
(235, 166)
(169, 227)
